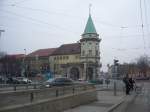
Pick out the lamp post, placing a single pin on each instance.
(1, 34)
(23, 64)
(116, 68)
(26, 67)
(116, 75)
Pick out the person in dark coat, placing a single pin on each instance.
(127, 84)
(131, 81)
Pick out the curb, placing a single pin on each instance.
(112, 108)
(116, 105)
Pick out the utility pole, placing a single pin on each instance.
(115, 75)
(116, 68)
(1, 34)
(23, 64)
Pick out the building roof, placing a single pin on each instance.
(17, 56)
(67, 49)
(42, 52)
(90, 28)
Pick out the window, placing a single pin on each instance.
(90, 52)
(77, 57)
(60, 57)
(90, 43)
(67, 57)
(96, 52)
(83, 53)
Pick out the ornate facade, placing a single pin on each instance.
(78, 60)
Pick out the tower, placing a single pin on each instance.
(90, 51)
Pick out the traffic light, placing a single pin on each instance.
(116, 62)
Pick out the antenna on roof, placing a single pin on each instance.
(90, 5)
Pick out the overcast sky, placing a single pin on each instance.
(36, 24)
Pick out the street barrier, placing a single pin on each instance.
(15, 87)
(29, 96)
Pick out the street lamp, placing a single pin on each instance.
(26, 67)
(116, 63)
(116, 68)
(24, 64)
(1, 33)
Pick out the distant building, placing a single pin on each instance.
(75, 60)
(11, 65)
(38, 61)
(122, 69)
(79, 60)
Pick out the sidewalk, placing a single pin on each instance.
(106, 101)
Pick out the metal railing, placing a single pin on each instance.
(24, 97)
(19, 87)
(15, 87)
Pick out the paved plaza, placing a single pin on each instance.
(106, 100)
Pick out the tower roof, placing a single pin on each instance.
(90, 28)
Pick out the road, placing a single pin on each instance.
(141, 102)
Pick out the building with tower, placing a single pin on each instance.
(79, 60)
(90, 51)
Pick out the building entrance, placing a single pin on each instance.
(74, 73)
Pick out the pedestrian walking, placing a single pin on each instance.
(132, 82)
(127, 84)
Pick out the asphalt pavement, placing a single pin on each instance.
(140, 103)
(106, 100)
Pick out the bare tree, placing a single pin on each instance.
(143, 64)
(2, 54)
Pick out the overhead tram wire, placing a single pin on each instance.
(146, 21)
(146, 17)
(68, 15)
(124, 49)
(43, 11)
(40, 10)
(58, 13)
(18, 2)
(142, 26)
(36, 20)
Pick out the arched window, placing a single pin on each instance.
(90, 52)
(83, 53)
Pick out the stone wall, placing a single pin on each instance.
(57, 104)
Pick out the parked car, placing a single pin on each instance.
(81, 81)
(107, 81)
(63, 81)
(96, 81)
(23, 80)
(12, 80)
(3, 79)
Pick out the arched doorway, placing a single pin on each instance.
(89, 73)
(74, 73)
